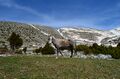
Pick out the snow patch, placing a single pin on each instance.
(61, 34)
(33, 26)
(115, 32)
(45, 33)
(74, 33)
(67, 29)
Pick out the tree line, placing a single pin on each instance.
(100, 49)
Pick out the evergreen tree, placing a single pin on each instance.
(15, 41)
(84, 48)
(48, 49)
(118, 45)
(95, 45)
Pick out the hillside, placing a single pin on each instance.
(32, 35)
(89, 36)
(37, 35)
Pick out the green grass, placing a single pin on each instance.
(36, 67)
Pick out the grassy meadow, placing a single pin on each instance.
(37, 67)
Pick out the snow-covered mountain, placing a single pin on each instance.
(89, 36)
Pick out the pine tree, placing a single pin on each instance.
(15, 41)
(95, 45)
(48, 49)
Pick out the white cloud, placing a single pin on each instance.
(12, 4)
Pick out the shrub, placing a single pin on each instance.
(84, 48)
(116, 53)
(18, 51)
(95, 45)
(118, 45)
(24, 50)
(96, 49)
(48, 49)
(39, 50)
(3, 50)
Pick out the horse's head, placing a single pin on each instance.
(50, 39)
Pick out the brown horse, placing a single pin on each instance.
(62, 44)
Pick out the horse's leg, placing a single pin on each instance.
(71, 53)
(75, 52)
(60, 52)
(71, 49)
(57, 53)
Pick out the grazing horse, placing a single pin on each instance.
(62, 44)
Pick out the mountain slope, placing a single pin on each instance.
(37, 35)
(31, 34)
(89, 36)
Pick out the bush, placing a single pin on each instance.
(3, 50)
(39, 50)
(18, 51)
(48, 49)
(116, 53)
(95, 45)
(118, 45)
(84, 48)
(24, 50)
(96, 49)
(99, 49)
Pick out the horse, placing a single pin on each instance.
(62, 44)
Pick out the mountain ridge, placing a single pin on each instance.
(90, 36)
(37, 35)
(31, 34)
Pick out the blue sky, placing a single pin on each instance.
(100, 14)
